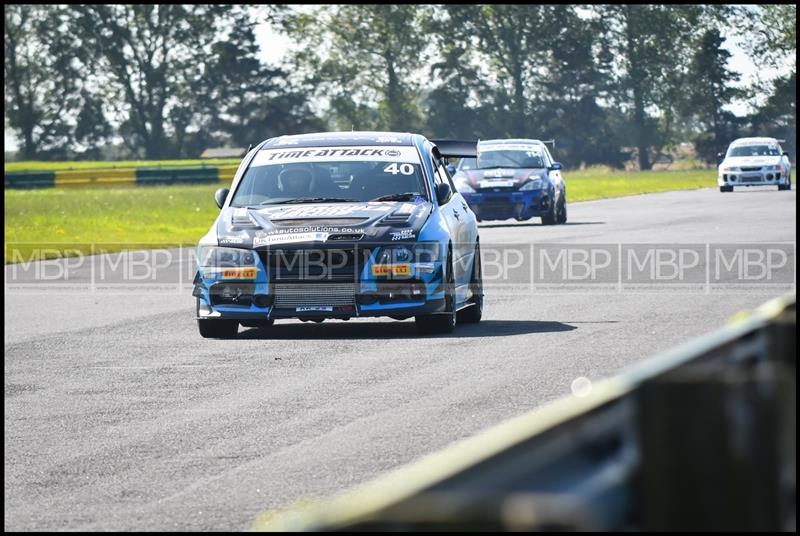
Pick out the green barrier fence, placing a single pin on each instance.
(114, 177)
(35, 179)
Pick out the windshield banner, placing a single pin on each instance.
(369, 153)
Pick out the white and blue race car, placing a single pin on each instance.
(341, 225)
(514, 178)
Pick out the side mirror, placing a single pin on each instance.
(451, 169)
(720, 158)
(220, 195)
(786, 154)
(443, 193)
(556, 166)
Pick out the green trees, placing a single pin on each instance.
(607, 81)
(708, 92)
(42, 78)
(361, 59)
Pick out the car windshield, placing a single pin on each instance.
(467, 163)
(754, 150)
(527, 157)
(332, 174)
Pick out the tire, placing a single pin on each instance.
(218, 329)
(562, 209)
(787, 186)
(473, 313)
(726, 188)
(442, 322)
(550, 217)
(257, 323)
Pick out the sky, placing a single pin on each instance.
(274, 45)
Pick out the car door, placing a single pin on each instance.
(554, 175)
(462, 228)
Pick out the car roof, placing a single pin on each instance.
(333, 139)
(753, 141)
(511, 141)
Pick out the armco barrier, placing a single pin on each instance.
(698, 438)
(113, 177)
(37, 179)
(88, 177)
(176, 175)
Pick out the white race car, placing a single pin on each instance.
(754, 162)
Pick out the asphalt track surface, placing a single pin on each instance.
(119, 416)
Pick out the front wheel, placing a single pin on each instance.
(444, 322)
(726, 188)
(562, 209)
(474, 312)
(550, 217)
(218, 329)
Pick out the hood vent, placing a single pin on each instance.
(395, 219)
(349, 237)
(241, 218)
(311, 221)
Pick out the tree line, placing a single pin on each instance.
(610, 83)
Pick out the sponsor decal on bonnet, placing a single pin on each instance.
(330, 210)
(403, 234)
(289, 238)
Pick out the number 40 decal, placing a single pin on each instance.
(394, 169)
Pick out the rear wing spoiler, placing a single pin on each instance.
(457, 148)
(551, 142)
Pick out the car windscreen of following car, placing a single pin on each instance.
(332, 174)
(754, 150)
(467, 163)
(509, 157)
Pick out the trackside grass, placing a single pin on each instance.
(586, 185)
(68, 220)
(74, 219)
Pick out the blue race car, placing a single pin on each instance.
(515, 178)
(341, 225)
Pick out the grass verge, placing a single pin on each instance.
(66, 221)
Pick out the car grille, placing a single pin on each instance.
(494, 206)
(751, 178)
(328, 265)
(751, 168)
(292, 295)
(496, 189)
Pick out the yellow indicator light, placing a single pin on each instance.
(239, 273)
(391, 269)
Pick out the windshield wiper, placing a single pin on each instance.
(310, 200)
(405, 196)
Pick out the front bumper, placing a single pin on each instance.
(752, 177)
(514, 204)
(261, 299)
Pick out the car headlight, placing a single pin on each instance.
(463, 186)
(728, 169)
(395, 255)
(535, 184)
(217, 256)
(419, 252)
